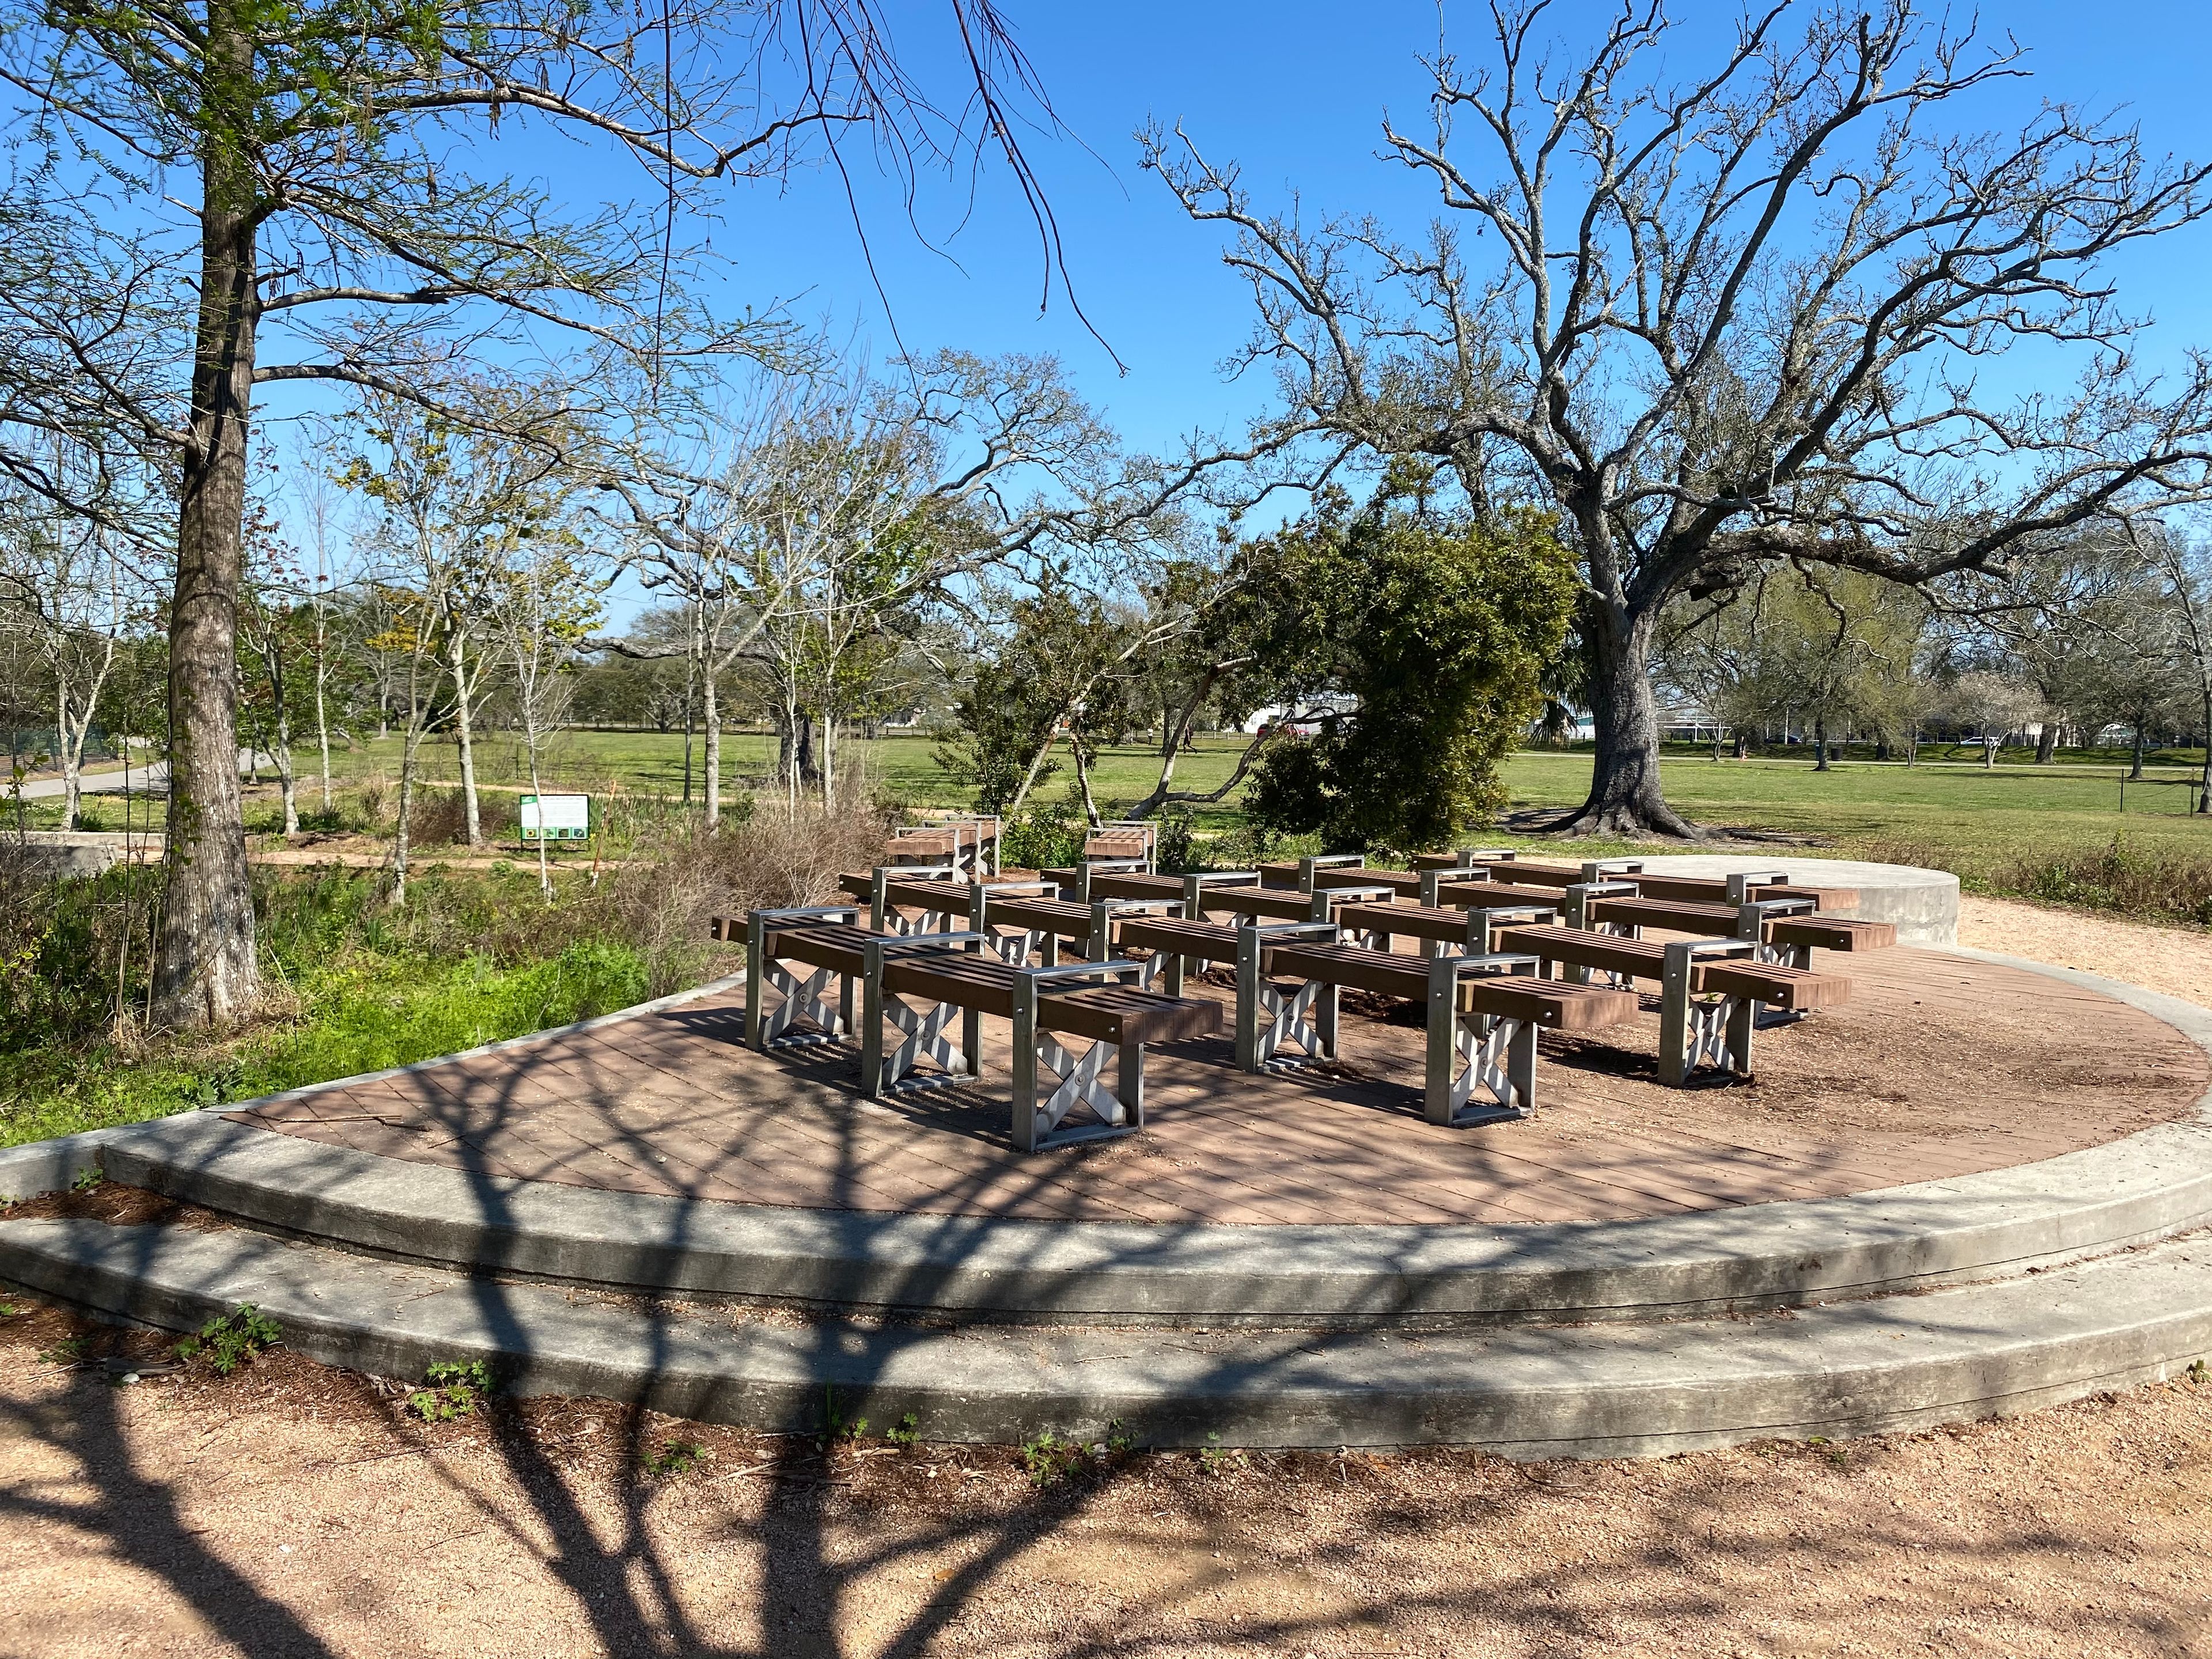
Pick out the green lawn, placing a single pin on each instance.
(1974, 820)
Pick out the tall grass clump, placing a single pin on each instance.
(2164, 885)
(678, 876)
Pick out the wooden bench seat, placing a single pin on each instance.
(1485, 894)
(1483, 1013)
(1795, 933)
(1081, 1001)
(1712, 889)
(1473, 929)
(825, 939)
(1832, 932)
(1710, 990)
(1084, 882)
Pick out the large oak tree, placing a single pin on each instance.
(1723, 317)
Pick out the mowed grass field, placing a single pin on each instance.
(1948, 810)
(1973, 819)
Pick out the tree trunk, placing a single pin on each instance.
(1819, 742)
(465, 734)
(2203, 781)
(711, 709)
(829, 762)
(204, 968)
(287, 789)
(2135, 765)
(1083, 779)
(2046, 743)
(1625, 795)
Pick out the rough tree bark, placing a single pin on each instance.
(204, 969)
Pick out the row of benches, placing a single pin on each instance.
(945, 944)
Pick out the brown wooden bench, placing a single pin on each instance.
(1483, 1014)
(1470, 931)
(1082, 883)
(1306, 875)
(1797, 934)
(1710, 990)
(1240, 893)
(1488, 895)
(1129, 841)
(1249, 947)
(1026, 928)
(969, 845)
(919, 990)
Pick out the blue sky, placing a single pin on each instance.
(1294, 91)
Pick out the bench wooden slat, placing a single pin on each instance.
(1122, 1014)
(1642, 958)
(1787, 988)
(839, 946)
(1413, 921)
(1679, 915)
(1481, 895)
(1042, 915)
(1256, 902)
(1355, 965)
(1834, 932)
(1549, 1003)
(1208, 941)
(1121, 883)
(956, 976)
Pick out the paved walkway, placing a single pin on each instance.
(1939, 1066)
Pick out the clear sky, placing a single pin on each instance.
(1293, 90)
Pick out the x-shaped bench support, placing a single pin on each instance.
(1701, 1032)
(1079, 1079)
(1307, 1017)
(766, 1027)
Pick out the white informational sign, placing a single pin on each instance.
(557, 818)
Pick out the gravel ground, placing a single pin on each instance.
(2174, 960)
(293, 1510)
(290, 1509)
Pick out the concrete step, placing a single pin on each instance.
(2151, 1186)
(1592, 1391)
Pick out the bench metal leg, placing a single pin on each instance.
(1467, 1052)
(1079, 1081)
(1696, 1033)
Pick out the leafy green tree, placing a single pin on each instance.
(1438, 633)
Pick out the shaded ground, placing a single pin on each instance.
(1938, 1067)
(291, 1510)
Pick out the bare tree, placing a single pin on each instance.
(1734, 319)
(829, 504)
(65, 586)
(1994, 706)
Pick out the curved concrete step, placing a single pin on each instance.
(2149, 1185)
(1595, 1391)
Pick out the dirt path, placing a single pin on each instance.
(2174, 960)
(295, 1511)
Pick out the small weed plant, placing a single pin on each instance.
(230, 1339)
(1218, 1461)
(836, 1428)
(453, 1388)
(906, 1433)
(2198, 1371)
(67, 1352)
(674, 1457)
(1050, 1459)
(86, 1181)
